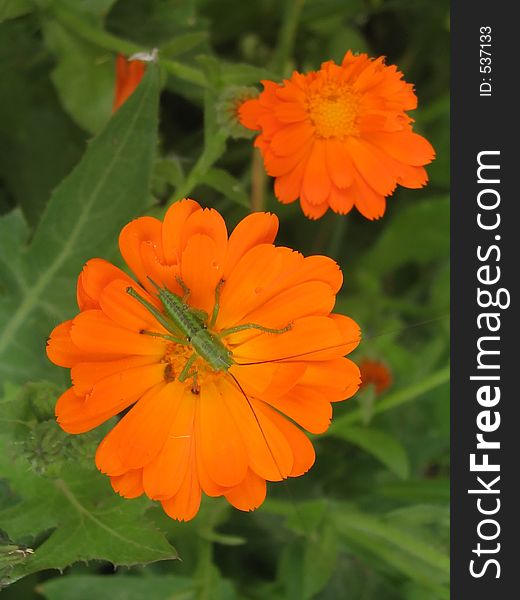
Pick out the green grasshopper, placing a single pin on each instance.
(190, 327)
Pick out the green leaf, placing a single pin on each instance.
(119, 587)
(428, 490)
(87, 519)
(244, 74)
(418, 234)
(215, 137)
(10, 555)
(394, 399)
(10, 9)
(82, 220)
(227, 185)
(307, 564)
(411, 556)
(84, 77)
(89, 8)
(183, 43)
(40, 143)
(380, 444)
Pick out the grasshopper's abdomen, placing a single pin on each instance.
(192, 327)
(212, 350)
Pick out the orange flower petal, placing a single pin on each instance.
(306, 407)
(173, 227)
(117, 304)
(95, 276)
(164, 474)
(220, 442)
(128, 75)
(335, 379)
(288, 187)
(249, 494)
(130, 484)
(254, 272)
(373, 171)
(201, 271)
(311, 338)
(70, 413)
(185, 504)
(207, 222)
(339, 163)
(300, 300)
(313, 211)
(405, 146)
(290, 112)
(291, 138)
(316, 181)
(209, 487)
(93, 332)
(85, 375)
(255, 229)
(278, 166)
(61, 350)
(249, 113)
(369, 203)
(134, 238)
(301, 448)
(269, 453)
(341, 201)
(141, 434)
(108, 397)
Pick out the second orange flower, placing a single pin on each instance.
(339, 137)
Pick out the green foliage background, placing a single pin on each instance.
(370, 521)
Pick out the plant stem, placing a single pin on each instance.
(258, 182)
(287, 34)
(396, 399)
(212, 152)
(113, 43)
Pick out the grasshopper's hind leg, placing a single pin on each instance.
(247, 326)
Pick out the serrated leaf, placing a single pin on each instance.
(86, 518)
(380, 444)
(82, 220)
(119, 587)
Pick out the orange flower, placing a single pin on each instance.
(339, 137)
(376, 373)
(221, 430)
(128, 75)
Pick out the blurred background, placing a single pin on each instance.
(370, 521)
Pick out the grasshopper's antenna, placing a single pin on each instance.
(286, 487)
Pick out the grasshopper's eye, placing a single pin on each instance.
(188, 338)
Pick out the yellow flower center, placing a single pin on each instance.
(333, 110)
(175, 359)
